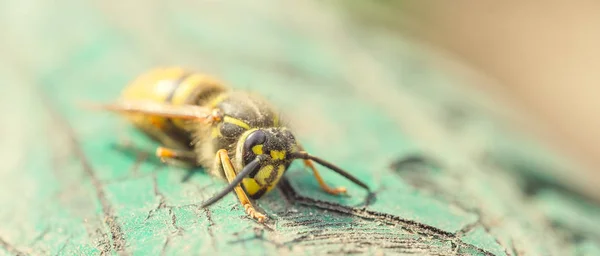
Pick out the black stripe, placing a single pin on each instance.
(170, 128)
(260, 193)
(269, 181)
(177, 83)
(243, 187)
(272, 175)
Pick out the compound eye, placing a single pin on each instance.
(253, 145)
(258, 137)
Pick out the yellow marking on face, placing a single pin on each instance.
(258, 149)
(236, 121)
(251, 186)
(239, 150)
(277, 154)
(280, 170)
(263, 174)
(276, 120)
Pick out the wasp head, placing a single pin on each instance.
(276, 143)
(275, 147)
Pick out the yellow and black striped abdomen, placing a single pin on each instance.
(175, 86)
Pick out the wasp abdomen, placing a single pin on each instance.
(176, 86)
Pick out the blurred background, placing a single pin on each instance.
(502, 94)
(542, 59)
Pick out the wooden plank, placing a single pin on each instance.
(66, 189)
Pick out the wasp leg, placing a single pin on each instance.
(222, 161)
(324, 186)
(168, 155)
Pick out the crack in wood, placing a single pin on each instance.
(487, 229)
(109, 218)
(102, 242)
(421, 181)
(345, 252)
(202, 189)
(10, 247)
(161, 198)
(209, 228)
(414, 160)
(301, 223)
(40, 236)
(468, 228)
(163, 251)
(162, 204)
(514, 249)
(62, 248)
(174, 222)
(403, 167)
(408, 225)
(258, 235)
(320, 225)
(411, 247)
(346, 239)
(190, 173)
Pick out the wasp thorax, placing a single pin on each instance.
(274, 142)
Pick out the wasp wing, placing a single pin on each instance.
(186, 112)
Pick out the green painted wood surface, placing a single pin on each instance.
(361, 101)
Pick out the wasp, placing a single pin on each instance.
(235, 135)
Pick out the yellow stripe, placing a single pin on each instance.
(151, 86)
(148, 85)
(276, 120)
(263, 174)
(258, 149)
(216, 132)
(183, 92)
(280, 171)
(214, 102)
(238, 122)
(251, 185)
(185, 89)
(276, 154)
